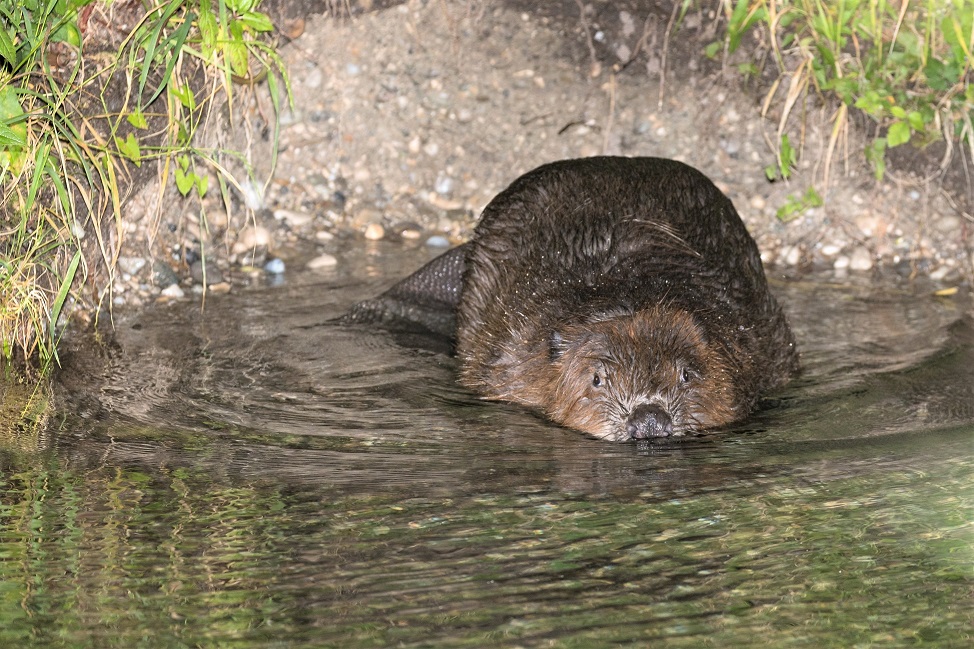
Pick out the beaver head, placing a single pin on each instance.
(651, 373)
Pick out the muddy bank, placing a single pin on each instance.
(408, 119)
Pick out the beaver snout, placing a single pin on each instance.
(649, 420)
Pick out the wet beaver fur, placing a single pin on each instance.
(622, 297)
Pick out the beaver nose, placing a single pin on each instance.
(649, 420)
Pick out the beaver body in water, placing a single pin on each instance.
(622, 297)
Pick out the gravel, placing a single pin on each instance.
(408, 120)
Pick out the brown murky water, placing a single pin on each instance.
(254, 476)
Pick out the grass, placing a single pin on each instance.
(72, 132)
(905, 65)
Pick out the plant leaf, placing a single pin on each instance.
(137, 119)
(184, 181)
(129, 147)
(899, 133)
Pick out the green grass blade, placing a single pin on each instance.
(176, 41)
(58, 306)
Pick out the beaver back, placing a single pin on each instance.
(589, 240)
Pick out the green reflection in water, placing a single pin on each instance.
(129, 556)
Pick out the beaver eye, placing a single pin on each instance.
(597, 380)
(686, 375)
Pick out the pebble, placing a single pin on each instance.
(365, 217)
(163, 275)
(131, 265)
(324, 235)
(252, 236)
(213, 274)
(314, 78)
(869, 224)
(830, 250)
(374, 232)
(860, 259)
(444, 185)
(409, 231)
(939, 273)
(758, 202)
(437, 241)
(324, 260)
(173, 291)
(841, 263)
(274, 266)
(948, 224)
(293, 218)
(790, 255)
(216, 219)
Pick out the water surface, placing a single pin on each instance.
(254, 476)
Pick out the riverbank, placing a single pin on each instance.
(409, 119)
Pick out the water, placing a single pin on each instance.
(254, 477)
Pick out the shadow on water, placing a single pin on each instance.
(260, 474)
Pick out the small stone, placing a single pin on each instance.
(757, 202)
(869, 224)
(860, 259)
(131, 265)
(361, 175)
(830, 250)
(374, 232)
(173, 291)
(790, 255)
(445, 204)
(438, 241)
(219, 287)
(216, 219)
(250, 237)
(324, 260)
(213, 274)
(274, 266)
(948, 224)
(444, 184)
(939, 273)
(324, 235)
(841, 263)
(314, 78)
(292, 218)
(163, 275)
(365, 217)
(410, 231)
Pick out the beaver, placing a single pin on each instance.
(622, 297)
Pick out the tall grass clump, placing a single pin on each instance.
(75, 124)
(907, 65)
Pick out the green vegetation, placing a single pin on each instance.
(907, 65)
(73, 127)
